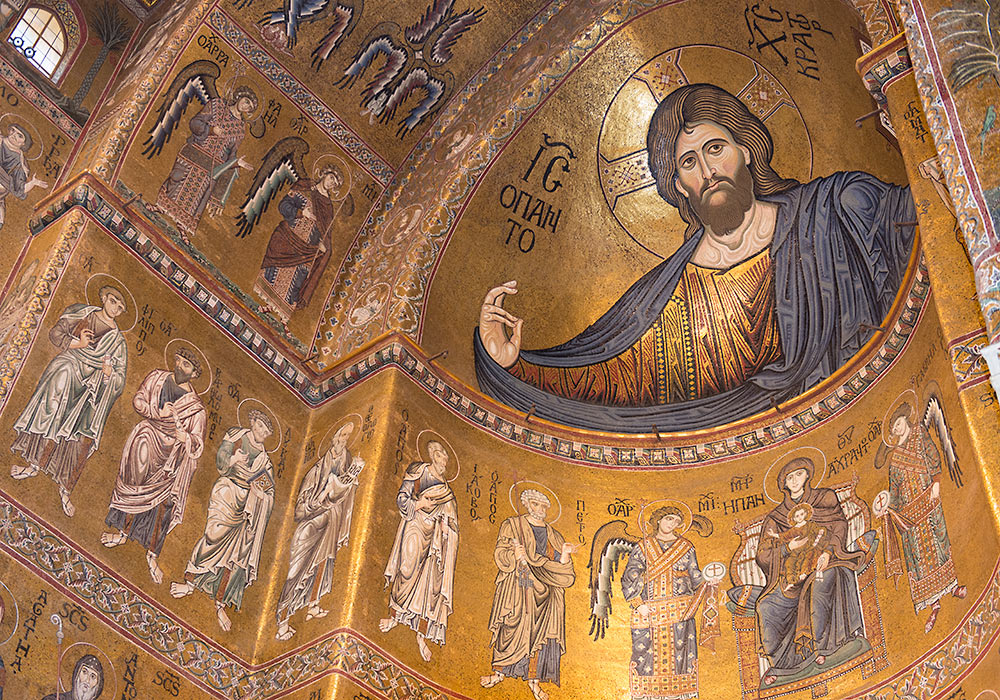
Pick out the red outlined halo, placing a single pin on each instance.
(515, 504)
(641, 521)
(274, 418)
(113, 675)
(323, 444)
(422, 449)
(118, 285)
(206, 370)
(892, 407)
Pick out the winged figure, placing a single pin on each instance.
(206, 166)
(915, 530)
(410, 65)
(342, 18)
(301, 244)
(665, 590)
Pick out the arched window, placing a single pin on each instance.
(39, 35)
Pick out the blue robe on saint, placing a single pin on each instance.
(838, 260)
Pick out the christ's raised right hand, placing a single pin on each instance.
(493, 321)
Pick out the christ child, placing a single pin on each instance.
(802, 538)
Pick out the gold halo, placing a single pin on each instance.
(119, 285)
(892, 407)
(14, 120)
(421, 449)
(9, 600)
(642, 521)
(258, 110)
(516, 504)
(392, 234)
(355, 434)
(274, 417)
(107, 659)
(784, 460)
(207, 369)
(623, 174)
(344, 168)
(987, 693)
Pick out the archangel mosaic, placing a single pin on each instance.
(466, 349)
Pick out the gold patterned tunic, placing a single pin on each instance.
(718, 329)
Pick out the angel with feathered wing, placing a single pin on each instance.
(282, 26)
(915, 531)
(665, 590)
(206, 166)
(301, 244)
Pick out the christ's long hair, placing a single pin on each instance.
(700, 102)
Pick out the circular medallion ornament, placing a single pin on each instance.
(623, 168)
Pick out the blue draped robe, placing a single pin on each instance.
(838, 260)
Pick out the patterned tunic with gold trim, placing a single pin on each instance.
(717, 330)
(913, 470)
(664, 643)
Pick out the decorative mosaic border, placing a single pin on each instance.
(956, 162)
(56, 560)
(966, 361)
(300, 96)
(39, 101)
(883, 65)
(225, 316)
(407, 358)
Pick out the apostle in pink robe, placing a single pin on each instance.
(159, 460)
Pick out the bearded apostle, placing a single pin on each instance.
(226, 559)
(301, 244)
(62, 424)
(915, 516)
(421, 568)
(159, 460)
(323, 512)
(528, 618)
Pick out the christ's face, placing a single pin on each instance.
(796, 480)
(537, 508)
(668, 523)
(86, 683)
(712, 174)
(799, 516)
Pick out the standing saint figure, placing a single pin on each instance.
(226, 559)
(323, 512)
(819, 616)
(62, 424)
(14, 176)
(87, 683)
(776, 286)
(915, 515)
(665, 589)
(159, 460)
(421, 567)
(205, 168)
(301, 244)
(528, 618)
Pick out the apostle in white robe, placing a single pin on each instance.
(421, 567)
(226, 560)
(159, 460)
(322, 526)
(63, 422)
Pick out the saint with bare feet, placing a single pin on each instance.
(159, 459)
(63, 422)
(421, 567)
(225, 560)
(527, 622)
(323, 512)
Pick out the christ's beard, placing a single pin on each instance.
(723, 208)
